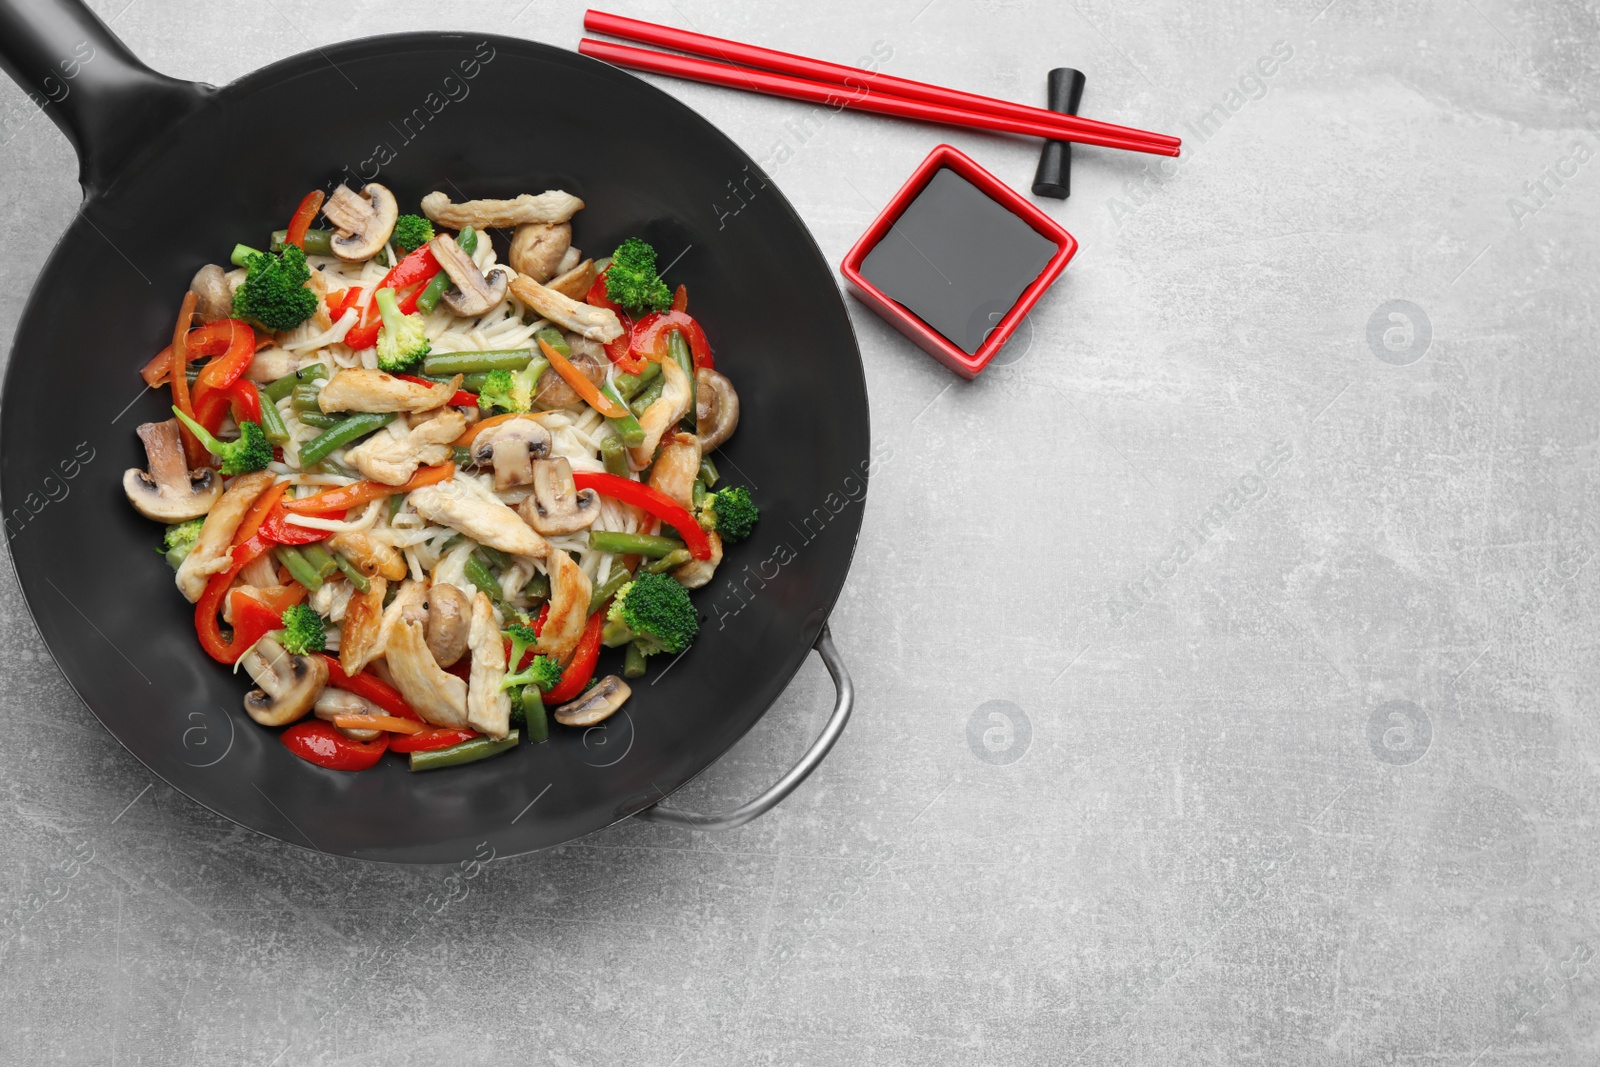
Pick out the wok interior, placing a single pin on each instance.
(472, 116)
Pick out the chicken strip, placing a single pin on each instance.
(569, 608)
(677, 467)
(551, 206)
(392, 460)
(438, 696)
(586, 320)
(461, 506)
(210, 554)
(661, 416)
(412, 595)
(361, 633)
(373, 390)
(488, 706)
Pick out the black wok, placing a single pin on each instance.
(174, 173)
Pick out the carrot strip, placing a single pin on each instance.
(390, 723)
(581, 385)
(346, 497)
(192, 448)
(258, 512)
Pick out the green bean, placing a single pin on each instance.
(466, 752)
(627, 427)
(242, 255)
(479, 575)
(320, 559)
(317, 242)
(281, 388)
(349, 570)
(553, 337)
(328, 466)
(633, 665)
(627, 544)
(678, 349)
(628, 385)
(448, 363)
(615, 456)
(538, 726)
(304, 397)
(619, 578)
(348, 430)
(672, 560)
(318, 419)
(474, 382)
(396, 503)
(708, 472)
(299, 568)
(272, 423)
(461, 456)
(538, 588)
(641, 403)
(494, 557)
(697, 495)
(428, 299)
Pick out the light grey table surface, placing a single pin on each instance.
(1286, 768)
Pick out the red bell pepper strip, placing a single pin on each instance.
(225, 370)
(321, 743)
(680, 299)
(581, 667)
(301, 221)
(650, 337)
(245, 399)
(462, 399)
(206, 608)
(417, 269)
(211, 339)
(353, 496)
(193, 450)
(620, 350)
(252, 620)
(428, 740)
(652, 500)
(277, 528)
(597, 295)
(370, 687)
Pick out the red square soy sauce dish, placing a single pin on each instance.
(957, 260)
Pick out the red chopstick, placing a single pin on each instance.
(760, 81)
(861, 82)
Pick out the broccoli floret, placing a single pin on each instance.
(302, 630)
(632, 281)
(730, 512)
(274, 292)
(179, 541)
(401, 341)
(411, 232)
(655, 611)
(510, 391)
(542, 671)
(250, 451)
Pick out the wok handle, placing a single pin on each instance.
(798, 773)
(108, 103)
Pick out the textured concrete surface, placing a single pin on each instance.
(1225, 655)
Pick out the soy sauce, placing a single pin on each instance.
(957, 259)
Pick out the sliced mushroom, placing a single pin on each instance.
(362, 222)
(716, 408)
(553, 205)
(595, 323)
(662, 414)
(272, 363)
(449, 622)
(210, 285)
(591, 361)
(289, 684)
(169, 491)
(473, 293)
(537, 249)
(369, 555)
(574, 283)
(597, 704)
(556, 506)
(511, 447)
(331, 703)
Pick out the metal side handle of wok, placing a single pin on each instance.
(764, 803)
(108, 103)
